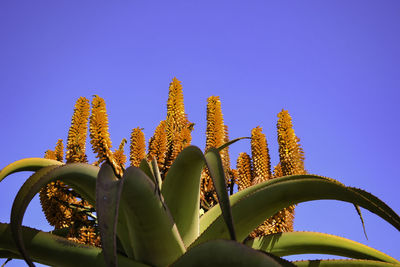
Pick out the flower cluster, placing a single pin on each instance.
(257, 169)
(65, 208)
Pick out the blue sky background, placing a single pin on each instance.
(333, 64)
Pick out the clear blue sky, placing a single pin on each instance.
(335, 65)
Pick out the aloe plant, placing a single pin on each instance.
(149, 214)
(142, 225)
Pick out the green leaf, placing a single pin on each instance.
(293, 243)
(80, 176)
(379, 204)
(145, 167)
(215, 211)
(153, 233)
(265, 199)
(225, 253)
(124, 234)
(21, 201)
(157, 175)
(336, 263)
(53, 250)
(362, 220)
(108, 193)
(231, 142)
(181, 192)
(217, 173)
(28, 164)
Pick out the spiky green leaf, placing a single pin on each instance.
(215, 211)
(293, 243)
(379, 204)
(265, 199)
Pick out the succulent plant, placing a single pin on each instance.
(149, 214)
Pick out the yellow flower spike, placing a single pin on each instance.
(244, 171)
(260, 155)
(138, 147)
(56, 213)
(178, 128)
(186, 135)
(85, 235)
(50, 154)
(59, 151)
(261, 173)
(176, 117)
(54, 197)
(291, 162)
(99, 135)
(119, 155)
(290, 153)
(158, 145)
(122, 145)
(277, 171)
(216, 135)
(181, 140)
(215, 132)
(76, 144)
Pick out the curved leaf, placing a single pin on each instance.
(225, 253)
(231, 142)
(358, 210)
(336, 263)
(153, 234)
(20, 204)
(108, 193)
(379, 204)
(53, 250)
(267, 198)
(82, 177)
(181, 192)
(215, 211)
(293, 243)
(28, 164)
(217, 173)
